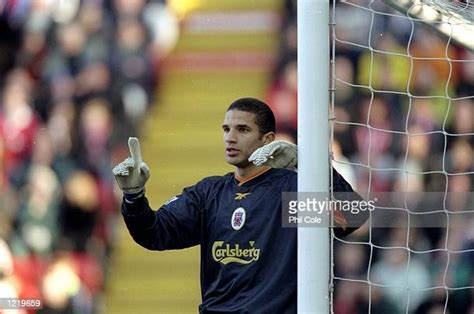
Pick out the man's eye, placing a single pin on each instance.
(243, 130)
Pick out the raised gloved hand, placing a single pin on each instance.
(277, 154)
(132, 173)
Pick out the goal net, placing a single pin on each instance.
(403, 133)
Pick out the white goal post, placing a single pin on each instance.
(313, 156)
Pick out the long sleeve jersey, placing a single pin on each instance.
(248, 260)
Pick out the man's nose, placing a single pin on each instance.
(229, 137)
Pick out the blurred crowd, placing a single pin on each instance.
(76, 79)
(404, 122)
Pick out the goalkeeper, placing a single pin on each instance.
(248, 260)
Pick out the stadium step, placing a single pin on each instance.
(182, 142)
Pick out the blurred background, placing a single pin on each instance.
(78, 77)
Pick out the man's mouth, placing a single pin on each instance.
(231, 152)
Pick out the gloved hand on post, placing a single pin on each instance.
(277, 154)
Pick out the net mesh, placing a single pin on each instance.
(451, 8)
(403, 124)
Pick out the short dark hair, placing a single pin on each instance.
(264, 117)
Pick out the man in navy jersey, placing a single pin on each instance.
(248, 260)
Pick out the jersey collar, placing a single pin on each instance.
(253, 178)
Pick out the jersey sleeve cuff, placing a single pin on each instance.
(131, 198)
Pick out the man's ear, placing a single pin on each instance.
(268, 138)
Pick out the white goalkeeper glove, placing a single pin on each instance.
(277, 154)
(132, 173)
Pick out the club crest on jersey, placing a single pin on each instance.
(238, 218)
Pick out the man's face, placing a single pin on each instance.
(241, 137)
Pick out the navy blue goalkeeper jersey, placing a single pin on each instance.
(248, 260)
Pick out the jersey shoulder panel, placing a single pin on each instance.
(283, 179)
(281, 173)
(209, 186)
